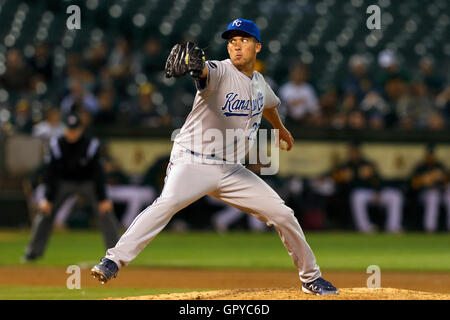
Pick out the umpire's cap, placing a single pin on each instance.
(73, 121)
(243, 25)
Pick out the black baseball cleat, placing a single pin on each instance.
(319, 287)
(105, 270)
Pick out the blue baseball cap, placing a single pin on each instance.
(243, 25)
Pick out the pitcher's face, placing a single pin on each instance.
(243, 49)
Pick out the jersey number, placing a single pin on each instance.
(252, 135)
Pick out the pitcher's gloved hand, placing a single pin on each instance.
(185, 58)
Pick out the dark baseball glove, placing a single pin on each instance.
(185, 58)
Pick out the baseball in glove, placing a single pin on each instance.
(185, 58)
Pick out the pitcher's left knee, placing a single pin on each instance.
(284, 216)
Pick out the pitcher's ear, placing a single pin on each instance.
(258, 47)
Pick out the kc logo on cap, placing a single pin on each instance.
(246, 26)
(237, 23)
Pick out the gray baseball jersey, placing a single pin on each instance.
(226, 113)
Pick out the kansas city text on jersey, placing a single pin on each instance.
(234, 106)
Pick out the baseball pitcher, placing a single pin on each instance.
(231, 99)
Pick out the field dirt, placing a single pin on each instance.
(242, 284)
(297, 294)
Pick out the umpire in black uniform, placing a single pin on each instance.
(73, 166)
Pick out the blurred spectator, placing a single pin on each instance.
(352, 116)
(376, 122)
(41, 62)
(119, 64)
(38, 88)
(299, 98)
(362, 106)
(75, 71)
(356, 120)
(150, 61)
(96, 57)
(144, 112)
(329, 104)
(22, 118)
(107, 106)
(73, 63)
(16, 78)
(436, 121)
(427, 73)
(393, 82)
(358, 82)
(79, 99)
(349, 103)
(366, 187)
(415, 108)
(104, 79)
(390, 70)
(119, 61)
(339, 120)
(51, 127)
(375, 108)
(430, 182)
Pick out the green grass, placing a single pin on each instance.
(334, 251)
(62, 293)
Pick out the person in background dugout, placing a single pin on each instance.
(429, 179)
(72, 167)
(366, 188)
(120, 190)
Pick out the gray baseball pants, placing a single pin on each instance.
(188, 179)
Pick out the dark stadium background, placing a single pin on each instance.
(117, 59)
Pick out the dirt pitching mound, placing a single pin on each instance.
(297, 294)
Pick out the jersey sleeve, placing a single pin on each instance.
(271, 99)
(216, 70)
